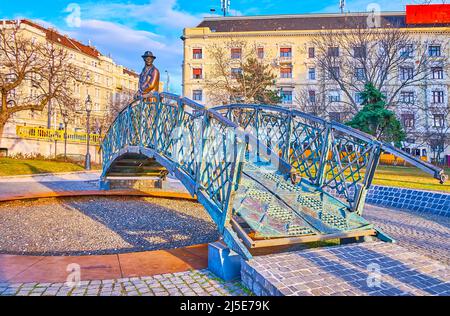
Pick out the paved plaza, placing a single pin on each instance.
(426, 234)
(190, 283)
(418, 264)
(373, 268)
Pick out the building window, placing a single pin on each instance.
(434, 50)
(438, 120)
(334, 73)
(407, 51)
(236, 72)
(286, 72)
(406, 73)
(407, 97)
(286, 97)
(408, 120)
(438, 96)
(236, 53)
(359, 98)
(197, 95)
(197, 73)
(286, 52)
(312, 73)
(311, 52)
(197, 53)
(260, 52)
(334, 96)
(359, 52)
(335, 116)
(333, 51)
(312, 96)
(437, 72)
(360, 74)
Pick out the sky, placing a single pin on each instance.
(125, 29)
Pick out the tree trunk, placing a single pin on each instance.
(3, 114)
(3, 119)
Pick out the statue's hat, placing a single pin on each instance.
(148, 54)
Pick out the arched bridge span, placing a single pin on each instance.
(239, 160)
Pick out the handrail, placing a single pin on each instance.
(436, 172)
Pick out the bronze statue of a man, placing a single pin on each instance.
(149, 77)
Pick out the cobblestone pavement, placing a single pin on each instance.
(191, 283)
(426, 234)
(372, 268)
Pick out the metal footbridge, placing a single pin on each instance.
(268, 176)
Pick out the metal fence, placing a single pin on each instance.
(40, 133)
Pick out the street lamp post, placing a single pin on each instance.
(66, 121)
(87, 162)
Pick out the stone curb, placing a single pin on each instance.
(135, 193)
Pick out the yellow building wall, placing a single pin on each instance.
(106, 80)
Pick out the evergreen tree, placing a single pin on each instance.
(375, 119)
(255, 82)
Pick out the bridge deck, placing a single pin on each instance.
(273, 207)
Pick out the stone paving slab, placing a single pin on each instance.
(426, 234)
(372, 268)
(189, 283)
(42, 269)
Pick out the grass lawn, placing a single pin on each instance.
(13, 167)
(408, 177)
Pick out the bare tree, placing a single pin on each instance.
(237, 75)
(436, 132)
(45, 67)
(317, 100)
(391, 59)
(115, 105)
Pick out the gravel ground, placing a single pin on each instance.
(426, 234)
(102, 225)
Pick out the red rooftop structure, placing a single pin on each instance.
(428, 14)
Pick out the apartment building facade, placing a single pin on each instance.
(287, 43)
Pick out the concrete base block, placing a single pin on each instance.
(141, 184)
(223, 262)
(104, 185)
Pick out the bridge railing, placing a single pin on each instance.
(330, 155)
(40, 133)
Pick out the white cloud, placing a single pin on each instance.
(162, 13)
(127, 45)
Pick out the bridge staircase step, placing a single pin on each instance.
(270, 210)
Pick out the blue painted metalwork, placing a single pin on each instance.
(237, 158)
(329, 155)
